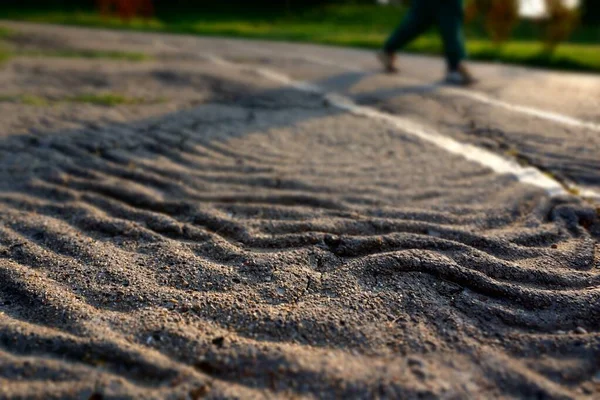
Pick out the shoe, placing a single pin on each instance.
(388, 61)
(461, 76)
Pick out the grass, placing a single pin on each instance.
(92, 54)
(28, 99)
(6, 52)
(4, 32)
(362, 26)
(32, 100)
(105, 99)
(99, 99)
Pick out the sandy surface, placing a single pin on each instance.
(227, 237)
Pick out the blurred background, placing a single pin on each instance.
(557, 34)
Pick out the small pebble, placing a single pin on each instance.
(579, 330)
(434, 233)
(414, 362)
(219, 341)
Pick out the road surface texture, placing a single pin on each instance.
(229, 231)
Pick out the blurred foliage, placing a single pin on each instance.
(182, 5)
(126, 9)
(500, 17)
(560, 23)
(348, 23)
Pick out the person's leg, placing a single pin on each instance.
(450, 15)
(418, 19)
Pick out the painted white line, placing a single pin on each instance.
(501, 165)
(587, 193)
(470, 94)
(531, 111)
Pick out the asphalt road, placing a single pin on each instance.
(549, 120)
(254, 220)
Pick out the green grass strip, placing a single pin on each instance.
(99, 99)
(343, 25)
(105, 99)
(90, 54)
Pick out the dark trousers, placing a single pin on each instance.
(446, 14)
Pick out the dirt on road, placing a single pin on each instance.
(173, 228)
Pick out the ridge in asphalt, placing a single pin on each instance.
(526, 174)
(471, 94)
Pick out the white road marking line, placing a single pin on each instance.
(495, 162)
(478, 96)
(470, 94)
